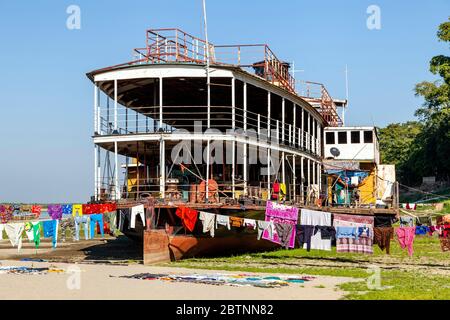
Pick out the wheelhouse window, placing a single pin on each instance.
(342, 137)
(355, 137)
(368, 136)
(329, 138)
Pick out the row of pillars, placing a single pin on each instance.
(162, 177)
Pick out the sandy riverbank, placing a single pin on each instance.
(97, 281)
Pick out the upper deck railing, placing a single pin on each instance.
(173, 45)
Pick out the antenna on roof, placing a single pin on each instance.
(346, 95)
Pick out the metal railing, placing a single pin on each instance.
(221, 119)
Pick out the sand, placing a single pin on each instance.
(95, 282)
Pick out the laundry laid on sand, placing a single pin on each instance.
(237, 280)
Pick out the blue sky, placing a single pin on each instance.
(46, 99)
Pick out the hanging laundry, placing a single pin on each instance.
(326, 232)
(424, 221)
(96, 218)
(209, 222)
(279, 213)
(124, 216)
(317, 218)
(111, 219)
(55, 211)
(81, 220)
(384, 221)
(250, 223)
(406, 222)
(284, 232)
(135, 211)
(411, 206)
(108, 207)
(77, 210)
(445, 244)
(347, 232)
(304, 234)
(422, 230)
(438, 229)
(68, 225)
(236, 222)
(36, 210)
(405, 236)
(50, 229)
(223, 221)
(363, 243)
(14, 232)
(33, 232)
(6, 213)
(29, 231)
(87, 209)
(446, 219)
(382, 237)
(365, 232)
(265, 226)
(67, 209)
(188, 217)
(37, 233)
(2, 228)
(25, 208)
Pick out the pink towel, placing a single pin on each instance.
(405, 236)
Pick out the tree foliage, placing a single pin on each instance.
(423, 148)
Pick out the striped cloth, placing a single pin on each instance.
(362, 244)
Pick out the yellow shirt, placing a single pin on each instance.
(77, 210)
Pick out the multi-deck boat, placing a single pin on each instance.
(218, 128)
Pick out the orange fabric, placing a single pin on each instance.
(446, 218)
(188, 217)
(36, 210)
(236, 222)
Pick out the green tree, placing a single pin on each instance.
(396, 141)
(423, 148)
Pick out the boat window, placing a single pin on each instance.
(330, 139)
(355, 137)
(342, 137)
(368, 137)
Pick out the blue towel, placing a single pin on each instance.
(346, 232)
(50, 229)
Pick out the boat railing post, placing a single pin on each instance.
(233, 116)
(245, 145)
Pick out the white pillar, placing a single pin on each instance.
(302, 184)
(283, 118)
(96, 111)
(207, 170)
(268, 149)
(245, 145)
(309, 172)
(115, 104)
(294, 178)
(302, 142)
(233, 124)
(116, 176)
(162, 171)
(160, 103)
(283, 168)
(308, 145)
(99, 172)
(95, 173)
(319, 175)
(294, 125)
